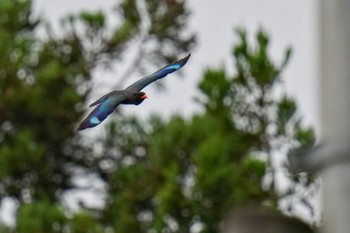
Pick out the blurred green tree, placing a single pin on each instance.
(185, 175)
(44, 83)
(181, 175)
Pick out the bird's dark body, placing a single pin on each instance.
(132, 102)
(131, 95)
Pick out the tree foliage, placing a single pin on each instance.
(180, 175)
(44, 83)
(185, 175)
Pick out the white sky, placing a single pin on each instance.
(287, 22)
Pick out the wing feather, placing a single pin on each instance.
(106, 105)
(103, 98)
(142, 83)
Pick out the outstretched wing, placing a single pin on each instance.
(104, 98)
(106, 105)
(140, 84)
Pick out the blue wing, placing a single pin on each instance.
(106, 105)
(140, 84)
(103, 98)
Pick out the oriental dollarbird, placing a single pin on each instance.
(131, 95)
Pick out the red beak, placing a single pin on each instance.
(144, 96)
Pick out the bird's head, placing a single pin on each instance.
(139, 96)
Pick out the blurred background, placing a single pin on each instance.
(208, 146)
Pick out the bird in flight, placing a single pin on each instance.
(131, 95)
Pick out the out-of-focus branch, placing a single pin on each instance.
(133, 65)
(313, 159)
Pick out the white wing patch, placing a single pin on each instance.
(95, 121)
